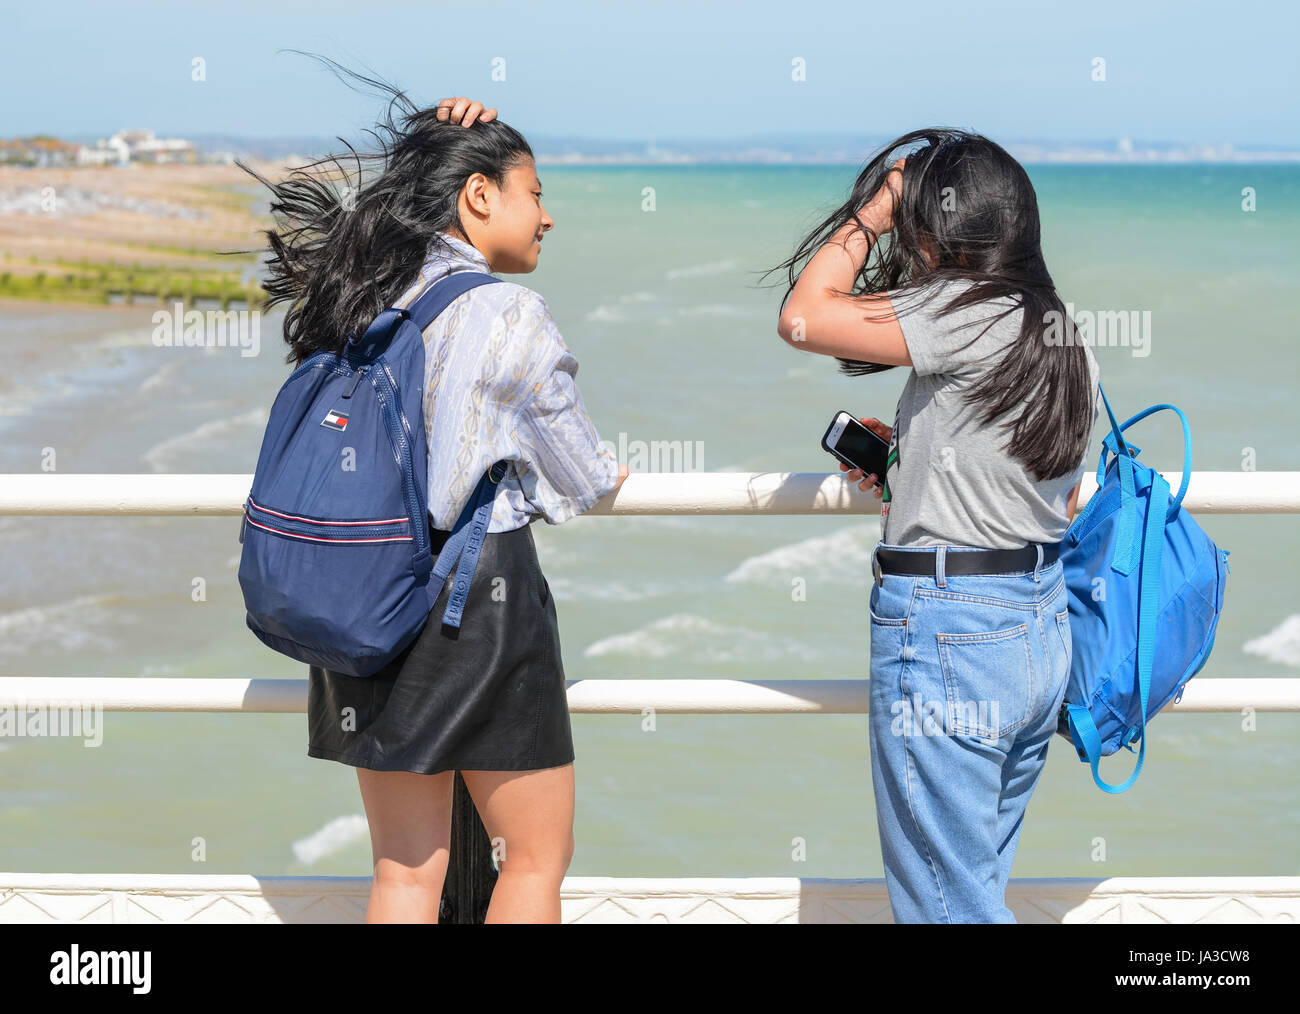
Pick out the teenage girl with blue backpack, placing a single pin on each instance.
(935, 263)
(455, 191)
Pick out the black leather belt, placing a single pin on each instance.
(979, 561)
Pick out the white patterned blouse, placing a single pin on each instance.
(499, 383)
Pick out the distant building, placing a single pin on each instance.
(40, 151)
(114, 151)
(128, 146)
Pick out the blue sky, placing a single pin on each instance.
(1196, 72)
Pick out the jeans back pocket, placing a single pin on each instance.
(988, 679)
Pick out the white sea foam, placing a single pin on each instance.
(686, 635)
(606, 314)
(339, 834)
(716, 310)
(700, 270)
(185, 447)
(159, 377)
(75, 625)
(136, 338)
(567, 589)
(844, 555)
(1281, 644)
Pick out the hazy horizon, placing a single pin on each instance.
(679, 73)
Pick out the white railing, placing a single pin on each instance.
(778, 899)
(642, 493)
(701, 696)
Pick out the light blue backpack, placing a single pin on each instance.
(1146, 586)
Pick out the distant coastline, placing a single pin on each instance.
(105, 236)
(149, 235)
(775, 148)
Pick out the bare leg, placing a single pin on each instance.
(529, 817)
(410, 839)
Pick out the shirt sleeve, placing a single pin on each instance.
(565, 468)
(953, 342)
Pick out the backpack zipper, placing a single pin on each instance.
(353, 389)
(415, 505)
(392, 382)
(317, 530)
(311, 363)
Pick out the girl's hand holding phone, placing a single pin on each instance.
(886, 433)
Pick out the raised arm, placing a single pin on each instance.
(816, 319)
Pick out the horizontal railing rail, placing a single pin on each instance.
(643, 493)
(647, 493)
(704, 695)
(470, 873)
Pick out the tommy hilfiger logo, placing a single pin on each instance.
(335, 420)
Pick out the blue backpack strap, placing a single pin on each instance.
(1126, 546)
(462, 547)
(438, 296)
(1082, 725)
(1177, 500)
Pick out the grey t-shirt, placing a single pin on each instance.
(949, 480)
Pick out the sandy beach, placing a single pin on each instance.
(83, 223)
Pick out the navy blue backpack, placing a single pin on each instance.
(336, 567)
(1145, 585)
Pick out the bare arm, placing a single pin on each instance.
(1074, 500)
(816, 319)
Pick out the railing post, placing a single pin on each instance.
(467, 889)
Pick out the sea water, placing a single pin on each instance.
(660, 302)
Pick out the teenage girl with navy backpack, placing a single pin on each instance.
(935, 263)
(454, 190)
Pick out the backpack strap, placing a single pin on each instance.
(1126, 545)
(461, 549)
(1115, 444)
(1177, 500)
(438, 296)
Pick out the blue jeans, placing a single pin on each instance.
(968, 673)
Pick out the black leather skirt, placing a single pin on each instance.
(491, 699)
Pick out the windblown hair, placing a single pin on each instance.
(351, 238)
(972, 206)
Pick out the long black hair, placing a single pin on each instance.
(351, 238)
(971, 206)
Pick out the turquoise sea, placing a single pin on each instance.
(676, 342)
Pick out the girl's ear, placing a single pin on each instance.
(476, 193)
